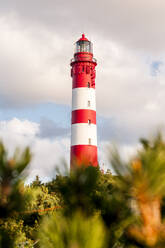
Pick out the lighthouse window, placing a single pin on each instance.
(88, 85)
(89, 122)
(88, 70)
(89, 141)
(89, 103)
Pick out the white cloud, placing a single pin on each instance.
(132, 96)
(136, 24)
(18, 133)
(37, 43)
(32, 68)
(46, 153)
(126, 152)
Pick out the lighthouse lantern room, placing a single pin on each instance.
(83, 123)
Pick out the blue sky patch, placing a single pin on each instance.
(155, 67)
(59, 113)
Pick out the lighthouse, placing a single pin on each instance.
(83, 120)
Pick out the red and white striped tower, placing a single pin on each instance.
(83, 131)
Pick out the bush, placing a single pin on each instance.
(72, 232)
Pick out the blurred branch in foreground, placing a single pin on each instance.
(12, 196)
(75, 232)
(144, 180)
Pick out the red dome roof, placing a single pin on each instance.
(83, 38)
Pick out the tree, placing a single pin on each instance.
(37, 182)
(12, 195)
(143, 178)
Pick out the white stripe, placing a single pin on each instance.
(82, 132)
(83, 98)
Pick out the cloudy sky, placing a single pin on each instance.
(36, 45)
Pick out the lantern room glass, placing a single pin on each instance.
(83, 46)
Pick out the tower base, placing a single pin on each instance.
(83, 155)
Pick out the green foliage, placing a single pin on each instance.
(153, 162)
(77, 190)
(37, 182)
(143, 180)
(53, 187)
(89, 191)
(97, 210)
(12, 196)
(40, 198)
(75, 232)
(14, 230)
(40, 201)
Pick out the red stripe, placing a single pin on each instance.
(83, 155)
(84, 116)
(82, 77)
